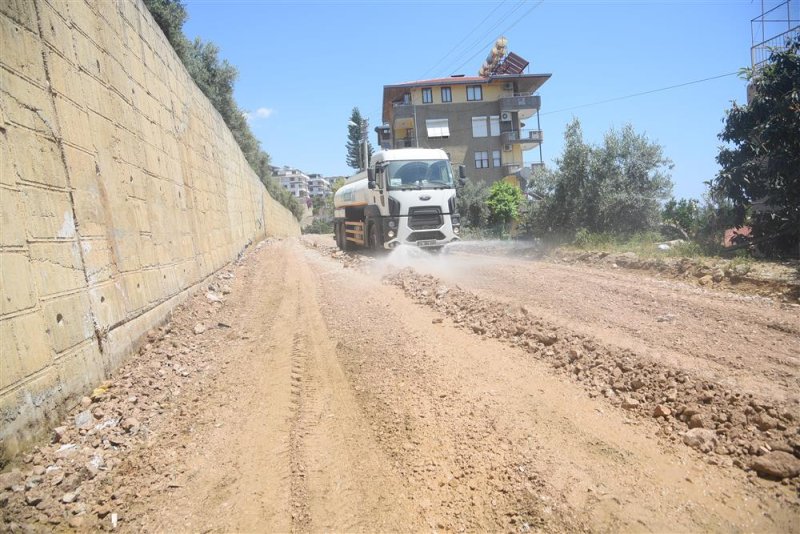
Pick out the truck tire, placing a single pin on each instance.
(345, 246)
(375, 237)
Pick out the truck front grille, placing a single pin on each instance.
(424, 236)
(425, 218)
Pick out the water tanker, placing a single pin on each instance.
(406, 196)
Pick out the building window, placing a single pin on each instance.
(474, 92)
(427, 95)
(494, 125)
(481, 160)
(447, 95)
(479, 127)
(495, 158)
(437, 128)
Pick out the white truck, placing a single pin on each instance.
(406, 196)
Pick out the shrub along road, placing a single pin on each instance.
(311, 390)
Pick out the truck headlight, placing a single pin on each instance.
(456, 229)
(392, 224)
(390, 233)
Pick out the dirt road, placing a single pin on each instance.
(326, 393)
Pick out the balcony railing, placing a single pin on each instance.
(524, 137)
(523, 101)
(512, 167)
(402, 111)
(408, 141)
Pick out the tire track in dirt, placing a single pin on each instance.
(301, 518)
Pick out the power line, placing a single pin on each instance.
(506, 30)
(478, 42)
(640, 94)
(498, 6)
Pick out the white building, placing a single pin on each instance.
(294, 180)
(319, 186)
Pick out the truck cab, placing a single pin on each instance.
(406, 196)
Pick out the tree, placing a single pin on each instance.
(684, 213)
(170, 15)
(628, 183)
(760, 166)
(503, 202)
(471, 200)
(356, 132)
(612, 188)
(571, 180)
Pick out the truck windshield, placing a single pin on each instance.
(419, 174)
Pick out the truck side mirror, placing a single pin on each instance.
(462, 172)
(371, 178)
(371, 184)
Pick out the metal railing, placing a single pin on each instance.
(525, 136)
(773, 29)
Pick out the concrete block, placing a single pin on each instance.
(66, 79)
(36, 158)
(36, 401)
(16, 283)
(8, 175)
(74, 122)
(80, 370)
(57, 267)
(89, 57)
(126, 247)
(20, 11)
(22, 51)
(99, 261)
(56, 31)
(134, 291)
(25, 348)
(68, 320)
(49, 214)
(108, 304)
(12, 218)
(26, 104)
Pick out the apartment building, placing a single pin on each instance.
(292, 179)
(487, 123)
(318, 186)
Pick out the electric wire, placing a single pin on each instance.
(477, 26)
(478, 42)
(651, 91)
(506, 30)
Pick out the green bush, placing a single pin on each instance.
(318, 226)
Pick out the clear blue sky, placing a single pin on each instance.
(306, 64)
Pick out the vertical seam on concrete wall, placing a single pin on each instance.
(60, 143)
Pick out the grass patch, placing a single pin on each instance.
(643, 244)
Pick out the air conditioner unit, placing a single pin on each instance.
(506, 148)
(505, 116)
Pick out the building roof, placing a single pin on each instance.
(526, 83)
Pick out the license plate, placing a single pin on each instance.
(426, 243)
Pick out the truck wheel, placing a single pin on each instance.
(345, 246)
(375, 238)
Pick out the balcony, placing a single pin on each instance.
(402, 116)
(525, 104)
(512, 168)
(408, 141)
(402, 110)
(527, 139)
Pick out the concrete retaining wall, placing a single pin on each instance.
(120, 189)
